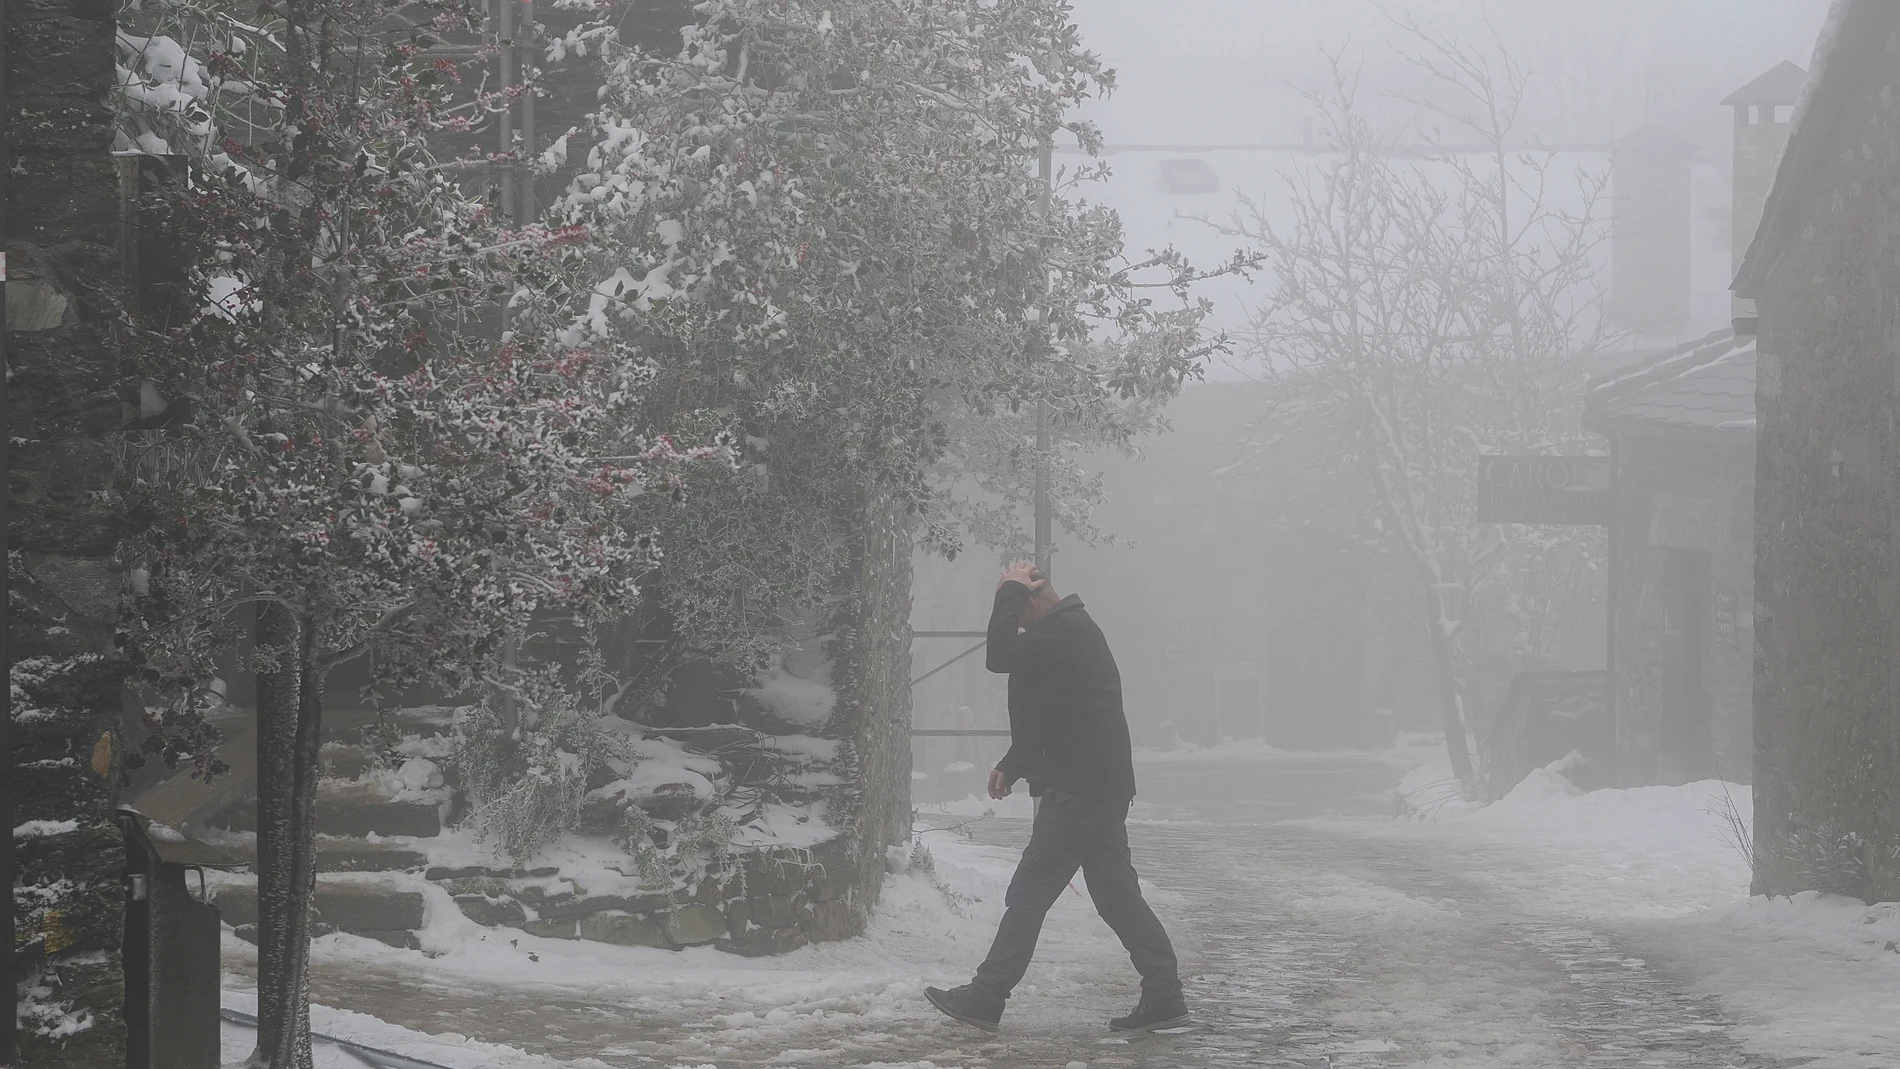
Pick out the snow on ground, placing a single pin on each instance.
(455, 1051)
(1663, 866)
(932, 927)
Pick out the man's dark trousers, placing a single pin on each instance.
(1074, 832)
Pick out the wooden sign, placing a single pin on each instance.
(1563, 491)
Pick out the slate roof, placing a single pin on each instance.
(1782, 85)
(1707, 385)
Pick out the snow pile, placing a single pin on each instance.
(657, 763)
(1639, 851)
(780, 824)
(417, 779)
(34, 829)
(807, 702)
(1662, 867)
(1536, 790)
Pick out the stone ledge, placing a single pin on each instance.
(351, 907)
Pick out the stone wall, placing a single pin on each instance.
(1827, 684)
(1688, 491)
(872, 675)
(62, 316)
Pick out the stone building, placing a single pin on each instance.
(1681, 427)
(63, 408)
(1823, 278)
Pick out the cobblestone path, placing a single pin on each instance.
(1302, 947)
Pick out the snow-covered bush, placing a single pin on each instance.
(526, 767)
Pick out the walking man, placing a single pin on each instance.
(1069, 739)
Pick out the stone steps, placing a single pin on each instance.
(387, 913)
(354, 855)
(356, 810)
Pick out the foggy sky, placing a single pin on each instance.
(1218, 71)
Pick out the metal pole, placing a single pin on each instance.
(1046, 169)
(505, 42)
(1609, 612)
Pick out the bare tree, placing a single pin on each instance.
(1425, 312)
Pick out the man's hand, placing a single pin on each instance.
(1023, 572)
(999, 784)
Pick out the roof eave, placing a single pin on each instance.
(1617, 426)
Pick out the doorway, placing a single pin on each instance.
(1688, 740)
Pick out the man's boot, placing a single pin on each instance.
(1151, 1013)
(967, 1004)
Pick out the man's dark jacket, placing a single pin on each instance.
(1067, 729)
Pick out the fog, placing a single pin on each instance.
(1233, 72)
(1219, 587)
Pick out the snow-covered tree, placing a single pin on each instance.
(348, 444)
(403, 430)
(1425, 312)
(829, 217)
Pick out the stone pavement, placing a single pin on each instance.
(1302, 947)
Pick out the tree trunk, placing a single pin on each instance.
(303, 830)
(278, 899)
(1448, 688)
(289, 733)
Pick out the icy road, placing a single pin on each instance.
(1604, 931)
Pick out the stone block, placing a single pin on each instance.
(777, 873)
(764, 942)
(368, 908)
(402, 939)
(88, 587)
(835, 880)
(440, 873)
(771, 911)
(360, 813)
(354, 908)
(237, 907)
(693, 924)
(580, 906)
(832, 919)
(491, 912)
(342, 761)
(623, 929)
(566, 929)
(368, 857)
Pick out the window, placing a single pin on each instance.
(1784, 113)
(1754, 115)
